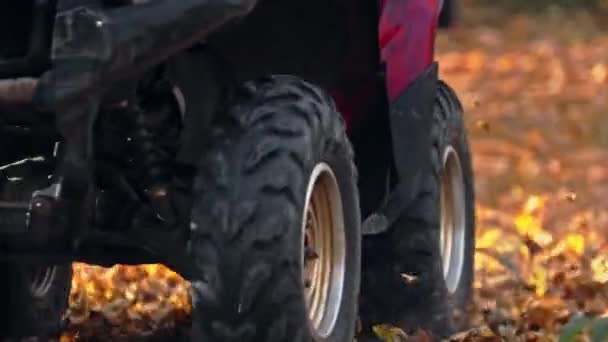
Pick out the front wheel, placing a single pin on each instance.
(276, 221)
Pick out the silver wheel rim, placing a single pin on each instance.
(453, 219)
(40, 280)
(323, 255)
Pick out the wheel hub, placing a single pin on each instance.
(453, 219)
(323, 253)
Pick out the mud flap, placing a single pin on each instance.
(411, 117)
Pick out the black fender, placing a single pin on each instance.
(449, 13)
(411, 118)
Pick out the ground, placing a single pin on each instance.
(534, 87)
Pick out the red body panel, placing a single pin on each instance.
(406, 35)
(354, 105)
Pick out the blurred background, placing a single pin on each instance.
(533, 79)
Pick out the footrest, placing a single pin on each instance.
(13, 217)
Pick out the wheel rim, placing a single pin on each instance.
(40, 279)
(453, 219)
(323, 255)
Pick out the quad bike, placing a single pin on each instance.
(158, 131)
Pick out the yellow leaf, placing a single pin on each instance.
(527, 225)
(599, 265)
(599, 72)
(538, 278)
(389, 333)
(534, 203)
(576, 243)
(489, 238)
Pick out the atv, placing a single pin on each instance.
(299, 162)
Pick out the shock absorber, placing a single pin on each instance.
(156, 137)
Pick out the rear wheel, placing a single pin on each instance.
(275, 222)
(33, 297)
(457, 205)
(420, 273)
